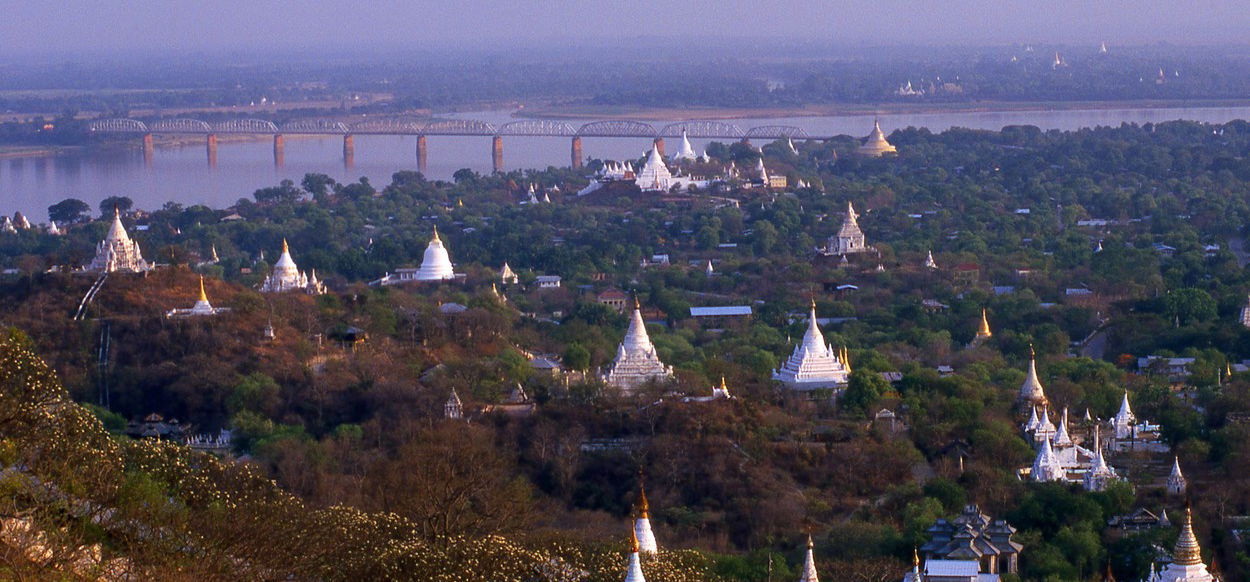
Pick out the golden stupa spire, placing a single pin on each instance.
(436, 233)
(203, 295)
(984, 332)
(633, 541)
(644, 508)
(915, 558)
(285, 248)
(1187, 552)
(723, 386)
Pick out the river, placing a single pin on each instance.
(183, 175)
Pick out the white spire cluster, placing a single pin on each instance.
(636, 360)
(286, 276)
(117, 252)
(814, 364)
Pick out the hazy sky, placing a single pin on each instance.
(99, 26)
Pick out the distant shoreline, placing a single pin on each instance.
(850, 110)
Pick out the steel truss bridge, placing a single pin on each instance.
(449, 127)
(615, 128)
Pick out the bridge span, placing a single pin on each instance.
(613, 128)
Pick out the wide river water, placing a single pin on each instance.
(183, 175)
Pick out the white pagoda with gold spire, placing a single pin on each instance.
(814, 364)
(118, 252)
(633, 569)
(436, 264)
(1186, 565)
(636, 360)
(286, 276)
(642, 524)
(808, 574)
(875, 145)
(201, 307)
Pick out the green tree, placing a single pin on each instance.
(862, 390)
(1189, 305)
(68, 211)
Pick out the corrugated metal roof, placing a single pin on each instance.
(968, 568)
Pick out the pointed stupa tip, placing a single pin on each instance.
(285, 247)
(203, 295)
(915, 559)
(984, 331)
(633, 541)
(435, 234)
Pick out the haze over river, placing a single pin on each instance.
(182, 174)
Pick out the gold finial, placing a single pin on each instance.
(1032, 354)
(722, 384)
(813, 305)
(460, 202)
(203, 295)
(636, 305)
(644, 508)
(809, 541)
(435, 233)
(285, 248)
(915, 557)
(633, 541)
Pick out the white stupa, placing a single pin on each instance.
(1046, 465)
(436, 264)
(642, 524)
(929, 263)
(809, 565)
(849, 239)
(286, 276)
(654, 175)
(453, 409)
(636, 360)
(633, 570)
(1100, 474)
(1031, 391)
(685, 153)
(1124, 421)
(117, 252)
(814, 364)
(507, 276)
(1176, 480)
(202, 306)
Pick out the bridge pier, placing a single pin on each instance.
(496, 153)
(423, 150)
(659, 146)
(279, 150)
(149, 150)
(577, 152)
(210, 144)
(349, 148)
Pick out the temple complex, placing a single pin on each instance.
(814, 364)
(201, 307)
(1100, 474)
(117, 252)
(286, 276)
(875, 145)
(654, 175)
(849, 239)
(636, 360)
